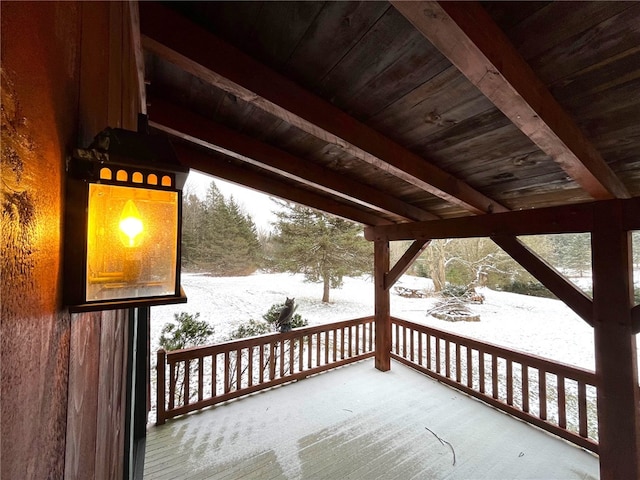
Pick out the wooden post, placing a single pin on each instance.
(160, 387)
(615, 349)
(382, 307)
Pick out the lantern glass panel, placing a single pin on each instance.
(131, 242)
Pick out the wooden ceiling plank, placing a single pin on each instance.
(465, 33)
(204, 55)
(403, 264)
(189, 126)
(210, 164)
(562, 288)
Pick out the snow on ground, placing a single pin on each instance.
(541, 326)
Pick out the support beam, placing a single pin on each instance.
(405, 262)
(466, 34)
(562, 219)
(615, 348)
(635, 318)
(562, 288)
(214, 165)
(182, 123)
(138, 54)
(382, 307)
(199, 52)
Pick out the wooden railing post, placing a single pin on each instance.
(160, 387)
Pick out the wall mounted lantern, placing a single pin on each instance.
(123, 223)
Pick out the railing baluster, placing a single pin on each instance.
(397, 342)
(200, 378)
(292, 352)
(342, 344)
(214, 374)
(411, 346)
(582, 410)
(262, 364)
(326, 348)
(250, 366)
(494, 376)
(481, 370)
(437, 354)
(318, 342)
(458, 363)
(542, 393)
(469, 367)
(509, 382)
(404, 342)
(447, 358)
(227, 373)
(310, 351)
(238, 369)
(429, 352)
(562, 402)
(420, 348)
(282, 358)
(350, 341)
(335, 345)
(172, 385)
(301, 354)
(272, 360)
(187, 371)
(161, 358)
(525, 387)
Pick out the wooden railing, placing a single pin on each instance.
(556, 397)
(202, 376)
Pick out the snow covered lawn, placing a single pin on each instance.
(540, 326)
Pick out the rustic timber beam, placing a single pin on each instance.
(199, 52)
(561, 219)
(562, 288)
(138, 54)
(182, 123)
(466, 34)
(212, 164)
(615, 348)
(635, 318)
(401, 266)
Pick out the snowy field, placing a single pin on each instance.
(541, 326)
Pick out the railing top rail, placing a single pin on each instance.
(204, 351)
(554, 367)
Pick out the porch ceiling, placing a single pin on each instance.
(358, 422)
(392, 112)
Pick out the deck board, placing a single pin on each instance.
(358, 423)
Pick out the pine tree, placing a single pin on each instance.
(218, 237)
(322, 247)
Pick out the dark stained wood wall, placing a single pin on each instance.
(64, 78)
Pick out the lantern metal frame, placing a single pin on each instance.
(137, 161)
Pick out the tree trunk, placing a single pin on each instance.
(325, 292)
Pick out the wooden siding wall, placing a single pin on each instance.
(67, 72)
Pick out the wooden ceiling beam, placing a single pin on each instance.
(562, 219)
(466, 34)
(180, 122)
(199, 52)
(214, 164)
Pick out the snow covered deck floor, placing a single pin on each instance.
(359, 423)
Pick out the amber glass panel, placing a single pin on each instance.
(125, 262)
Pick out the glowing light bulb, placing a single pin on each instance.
(130, 223)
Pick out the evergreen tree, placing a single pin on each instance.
(322, 247)
(218, 237)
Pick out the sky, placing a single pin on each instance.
(258, 205)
